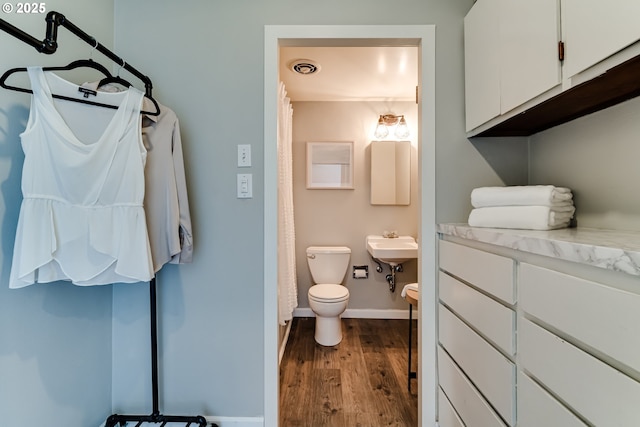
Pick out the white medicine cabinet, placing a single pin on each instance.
(390, 172)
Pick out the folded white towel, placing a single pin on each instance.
(413, 286)
(521, 195)
(522, 217)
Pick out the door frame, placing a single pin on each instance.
(422, 36)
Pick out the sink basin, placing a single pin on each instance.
(392, 251)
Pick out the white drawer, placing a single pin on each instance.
(538, 408)
(467, 401)
(489, 272)
(491, 372)
(602, 317)
(447, 416)
(602, 395)
(490, 318)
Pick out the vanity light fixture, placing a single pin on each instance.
(387, 120)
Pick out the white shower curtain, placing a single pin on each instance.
(287, 282)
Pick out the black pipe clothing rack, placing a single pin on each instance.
(116, 420)
(49, 46)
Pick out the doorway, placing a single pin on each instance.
(423, 37)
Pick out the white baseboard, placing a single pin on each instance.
(362, 313)
(235, 421)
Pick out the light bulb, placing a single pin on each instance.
(402, 130)
(381, 130)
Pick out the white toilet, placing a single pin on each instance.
(328, 298)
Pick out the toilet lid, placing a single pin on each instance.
(328, 292)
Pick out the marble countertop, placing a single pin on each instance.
(610, 249)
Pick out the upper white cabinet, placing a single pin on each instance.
(482, 63)
(529, 35)
(510, 55)
(593, 30)
(512, 62)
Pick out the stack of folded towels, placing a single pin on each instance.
(532, 207)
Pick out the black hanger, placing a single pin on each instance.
(115, 79)
(88, 63)
(119, 80)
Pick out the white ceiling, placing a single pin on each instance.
(352, 73)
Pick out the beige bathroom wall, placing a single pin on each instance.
(346, 217)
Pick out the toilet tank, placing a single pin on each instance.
(328, 264)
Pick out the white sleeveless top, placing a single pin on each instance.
(82, 216)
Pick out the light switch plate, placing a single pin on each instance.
(244, 155)
(245, 186)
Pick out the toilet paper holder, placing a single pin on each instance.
(360, 271)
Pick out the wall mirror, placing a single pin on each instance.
(390, 172)
(330, 165)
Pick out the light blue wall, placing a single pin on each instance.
(597, 157)
(55, 339)
(206, 60)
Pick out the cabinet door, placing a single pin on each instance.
(446, 414)
(490, 318)
(482, 63)
(489, 272)
(538, 408)
(529, 36)
(597, 315)
(491, 372)
(593, 30)
(601, 394)
(468, 402)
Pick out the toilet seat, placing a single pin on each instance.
(328, 292)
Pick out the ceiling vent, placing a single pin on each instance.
(304, 66)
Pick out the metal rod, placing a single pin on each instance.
(410, 334)
(39, 45)
(155, 417)
(50, 43)
(154, 344)
(410, 374)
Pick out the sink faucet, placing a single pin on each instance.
(390, 234)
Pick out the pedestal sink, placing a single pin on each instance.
(392, 250)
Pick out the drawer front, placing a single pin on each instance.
(490, 318)
(447, 416)
(491, 372)
(538, 408)
(602, 395)
(602, 317)
(468, 402)
(489, 272)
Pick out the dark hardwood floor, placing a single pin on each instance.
(361, 382)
